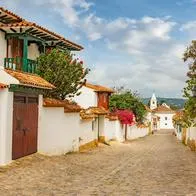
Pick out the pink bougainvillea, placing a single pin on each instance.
(126, 117)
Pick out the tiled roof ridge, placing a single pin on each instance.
(98, 88)
(163, 108)
(68, 105)
(28, 79)
(11, 13)
(26, 73)
(26, 23)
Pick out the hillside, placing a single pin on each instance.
(170, 101)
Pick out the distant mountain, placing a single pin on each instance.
(177, 102)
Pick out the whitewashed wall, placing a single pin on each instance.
(88, 131)
(59, 132)
(3, 49)
(87, 98)
(33, 51)
(6, 119)
(115, 131)
(166, 124)
(134, 132)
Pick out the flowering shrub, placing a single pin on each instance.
(126, 117)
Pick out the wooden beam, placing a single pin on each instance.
(3, 16)
(35, 31)
(29, 30)
(3, 30)
(13, 30)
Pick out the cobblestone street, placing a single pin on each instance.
(154, 165)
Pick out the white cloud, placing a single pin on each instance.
(151, 58)
(189, 26)
(148, 40)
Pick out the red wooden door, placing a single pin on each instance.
(25, 124)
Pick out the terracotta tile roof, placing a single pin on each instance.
(92, 112)
(40, 29)
(99, 88)
(87, 116)
(10, 14)
(98, 110)
(31, 80)
(112, 117)
(3, 86)
(163, 109)
(68, 106)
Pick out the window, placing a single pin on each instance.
(165, 118)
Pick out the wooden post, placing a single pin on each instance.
(125, 132)
(25, 54)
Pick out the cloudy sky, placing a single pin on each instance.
(136, 44)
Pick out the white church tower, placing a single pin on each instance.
(153, 102)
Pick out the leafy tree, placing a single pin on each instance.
(63, 71)
(130, 101)
(190, 105)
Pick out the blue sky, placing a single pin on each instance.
(136, 44)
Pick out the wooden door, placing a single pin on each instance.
(25, 125)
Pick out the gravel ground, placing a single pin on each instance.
(151, 166)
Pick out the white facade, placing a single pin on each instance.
(134, 132)
(166, 121)
(87, 98)
(114, 130)
(60, 133)
(88, 131)
(6, 121)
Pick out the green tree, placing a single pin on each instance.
(63, 71)
(130, 101)
(190, 105)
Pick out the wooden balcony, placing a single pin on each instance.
(21, 64)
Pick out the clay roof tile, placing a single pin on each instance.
(31, 80)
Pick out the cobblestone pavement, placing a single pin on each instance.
(151, 166)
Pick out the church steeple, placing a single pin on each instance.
(153, 102)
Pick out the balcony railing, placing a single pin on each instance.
(17, 63)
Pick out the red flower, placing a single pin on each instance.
(126, 117)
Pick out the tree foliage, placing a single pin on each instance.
(63, 71)
(190, 105)
(130, 101)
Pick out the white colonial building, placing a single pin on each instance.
(162, 115)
